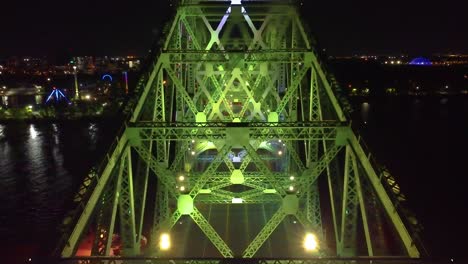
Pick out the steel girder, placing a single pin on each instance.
(321, 260)
(237, 108)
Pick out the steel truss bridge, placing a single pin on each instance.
(237, 147)
(361, 260)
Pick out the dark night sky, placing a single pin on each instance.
(104, 27)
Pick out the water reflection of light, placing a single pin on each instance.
(365, 108)
(93, 133)
(37, 159)
(2, 127)
(32, 131)
(7, 164)
(55, 129)
(416, 109)
(31, 178)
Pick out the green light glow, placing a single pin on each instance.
(237, 111)
(185, 204)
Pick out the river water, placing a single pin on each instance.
(423, 141)
(41, 166)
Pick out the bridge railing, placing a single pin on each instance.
(81, 198)
(90, 181)
(388, 181)
(393, 190)
(359, 260)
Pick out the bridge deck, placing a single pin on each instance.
(359, 260)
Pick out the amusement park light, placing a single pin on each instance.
(291, 188)
(291, 178)
(181, 178)
(165, 241)
(280, 152)
(182, 188)
(310, 242)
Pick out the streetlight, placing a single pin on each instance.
(165, 241)
(77, 93)
(310, 242)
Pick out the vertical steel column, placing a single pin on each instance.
(130, 245)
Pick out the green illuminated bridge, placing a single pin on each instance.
(238, 148)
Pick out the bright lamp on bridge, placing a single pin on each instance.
(310, 242)
(165, 241)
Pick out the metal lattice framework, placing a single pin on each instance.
(238, 140)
